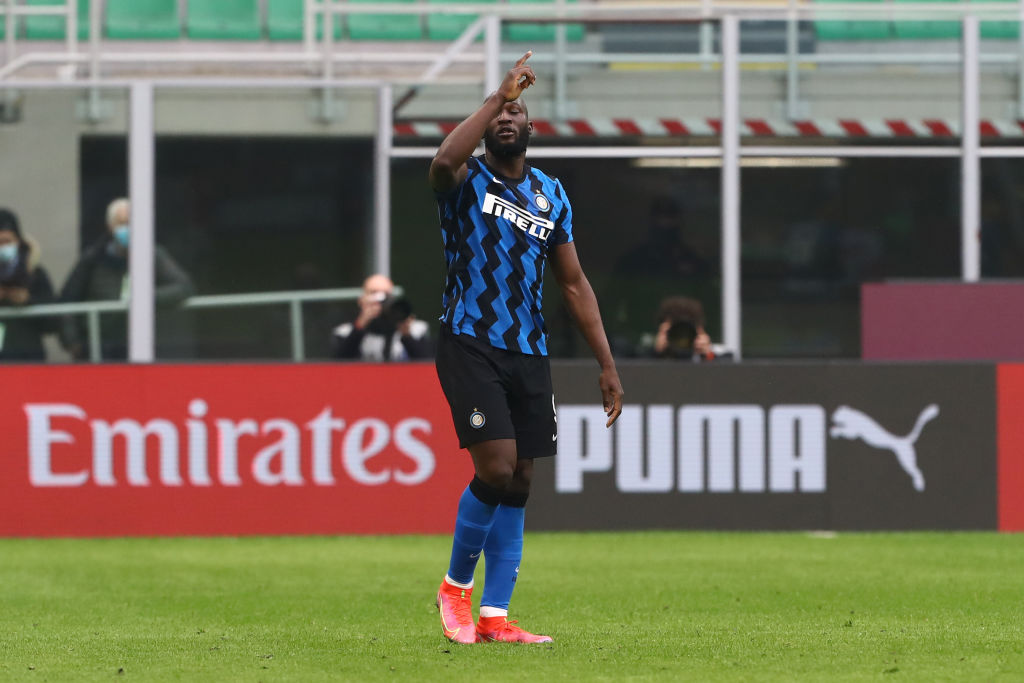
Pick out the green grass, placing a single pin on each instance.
(654, 606)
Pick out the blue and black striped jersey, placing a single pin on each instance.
(497, 233)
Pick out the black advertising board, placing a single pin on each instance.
(780, 446)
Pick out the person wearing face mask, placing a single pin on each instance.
(101, 274)
(23, 282)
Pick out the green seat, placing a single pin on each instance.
(841, 29)
(384, 26)
(142, 19)
(1000, 30)
(224, 20)
(52, 27)
(450, 26)
(927, 30)
(285, 21)
(534, 33)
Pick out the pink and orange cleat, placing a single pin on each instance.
(456, 607)
(501, 630)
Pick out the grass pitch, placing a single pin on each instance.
(649, 606)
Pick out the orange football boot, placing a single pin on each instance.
(455, 605)
(501, 630)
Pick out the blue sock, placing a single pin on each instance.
(472, 525)
(503, 550)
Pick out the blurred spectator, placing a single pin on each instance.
(681, 334)
(1002, 239)
(663, 262)
(23, 282)
(665, 250)
(385, 328)
(101, 274)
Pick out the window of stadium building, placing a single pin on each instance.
(1002, 218)
(243, 215)
(811, 236)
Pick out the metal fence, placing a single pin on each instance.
(293, 299)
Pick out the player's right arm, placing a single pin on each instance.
(448, 169)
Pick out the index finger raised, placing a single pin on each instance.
(522, 60)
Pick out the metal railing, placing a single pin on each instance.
(294, 299)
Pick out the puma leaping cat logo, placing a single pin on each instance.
(849, 423)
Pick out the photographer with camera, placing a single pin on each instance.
(384, 330)
(681, 333)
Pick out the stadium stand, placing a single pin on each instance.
(1000, 30)
(528, 33)
(450, 26)
(855, 30)
(384, 26)
(275, 20)
(52, 27)
(143, 19)
(852, 30)
(927, 29)
(284, 21)
(224, 19)
(281, 20)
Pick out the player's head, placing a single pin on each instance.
(118, 214)
(508, 133)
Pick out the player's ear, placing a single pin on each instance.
(529, 126)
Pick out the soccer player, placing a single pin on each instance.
(501, 220)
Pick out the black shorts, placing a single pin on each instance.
(497, 394)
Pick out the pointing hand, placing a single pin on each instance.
(519, 78)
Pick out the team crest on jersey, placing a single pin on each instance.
(477, 419)
(542, 202)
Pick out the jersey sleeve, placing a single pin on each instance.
(452, 195)
(563, 223)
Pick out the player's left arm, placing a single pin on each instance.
(582, 304)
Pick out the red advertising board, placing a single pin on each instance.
(1010, 388)
(227, 449)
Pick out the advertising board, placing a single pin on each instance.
(227, 449)
(774, 446)
(349, 448)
